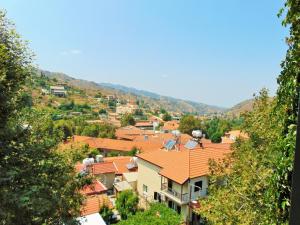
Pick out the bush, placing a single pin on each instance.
(158, 214)
(126, 120)
(126, 203)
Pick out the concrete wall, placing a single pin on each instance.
(107, 179)
(148, 175)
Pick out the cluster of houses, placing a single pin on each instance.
(169, 167)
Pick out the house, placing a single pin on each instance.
(231, 136)
(170, 126)
(93, 204)
(122, 147)
(124, 109)
(96, 188)
(58, 91)
(144, 125)
(105, 172)
(177, 175)
(129, 133)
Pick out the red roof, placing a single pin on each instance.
(120, 163)
(103, 167)
(93, 204)
(93, 189)
(180, 165)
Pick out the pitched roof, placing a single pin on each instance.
(116, 145)
(95, 188)
(184, 164)
(171, 125)
(93, 204)
(103, 167)
(120, 163)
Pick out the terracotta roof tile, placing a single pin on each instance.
(103, 167)
(120, 163)
(93, 204)
(93, 189)
(184, 164)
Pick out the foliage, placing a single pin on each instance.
(216, 138)
(102, 111)
(127, 119)
(91, 130)
(106, 213)
(37, 184)
(188, 123)
(158, 214)
(127, 203)
(133, 151)
(66, 126)
(167, 117)
(257, 188)
(238, 185)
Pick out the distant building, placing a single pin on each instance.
(58, 91)
(123, 109)
(231, 136)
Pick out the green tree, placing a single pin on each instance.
(127, 119)
(188, 123)
(238, 185)
(106, 214)
(127, 203)
(66, 126)
(167, 117)
(258, 186)
(37, 184)
(91, 130)
(107, 130)
(158, 214)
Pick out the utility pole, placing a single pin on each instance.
(295, 194)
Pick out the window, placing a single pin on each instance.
(157, 196)
(145, 188)
(170, 184)
(174, 206)
(198, 186)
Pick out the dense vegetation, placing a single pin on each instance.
(127, 203)
(257, 177)
(37, 184)
(127, 119)
(158, 214)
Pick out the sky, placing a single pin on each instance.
(214, 52)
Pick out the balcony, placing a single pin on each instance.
(175, 195)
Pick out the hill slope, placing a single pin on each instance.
(154, 100)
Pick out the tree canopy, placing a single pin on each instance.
(127, 203)
(158, 214)
(127, 119)
(256, 179)
(37, 184)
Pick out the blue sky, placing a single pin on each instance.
(215, 52)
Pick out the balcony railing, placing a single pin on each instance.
(182, 197)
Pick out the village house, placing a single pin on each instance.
(58, 91)
(177, 175)
(169, 126)
(231, 136)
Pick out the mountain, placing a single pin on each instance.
(241, 107)
(155, 101)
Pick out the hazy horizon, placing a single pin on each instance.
(217, 53)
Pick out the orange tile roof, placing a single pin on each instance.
(130, 132)
(184, 164)
(103, 167)
(171, 125)
(117, 145)
(93, 204)
(95, 188)
(144, 124)
(120, 163)
(161, 138)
